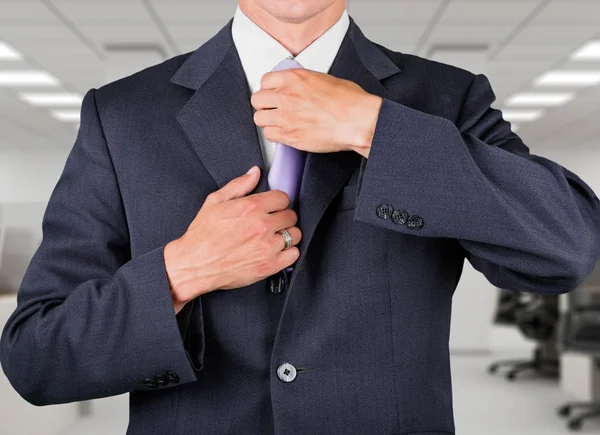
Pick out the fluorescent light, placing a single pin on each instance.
(26, 78)
(540, 99)
(9, 53)
(572, 78)
(521, 115)
(66, 115)
(52, 99)
(589, 51)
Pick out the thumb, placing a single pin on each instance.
(240, 186)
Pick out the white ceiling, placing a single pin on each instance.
(524, 37)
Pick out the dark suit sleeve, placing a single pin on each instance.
(525, 222)
(91, 321)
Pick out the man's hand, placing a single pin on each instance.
(316, 112)
(232, 242)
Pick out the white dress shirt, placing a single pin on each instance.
(259, 53)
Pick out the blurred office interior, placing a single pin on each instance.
(543, 60)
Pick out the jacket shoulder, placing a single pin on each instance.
(431, 71)
(435, 87)
(149, 84)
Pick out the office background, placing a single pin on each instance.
(541, 56)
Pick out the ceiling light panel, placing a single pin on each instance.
(522, 115)
(590, 51)
(9, 53)
(67, 115)
(569, 78)
(48, 99)
(26, 78)
(540, 99)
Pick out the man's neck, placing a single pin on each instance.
(295, 37)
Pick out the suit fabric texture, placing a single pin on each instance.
(365, 315)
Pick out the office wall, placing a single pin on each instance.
(26, 182)
(29, 177)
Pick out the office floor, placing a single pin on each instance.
(483, 404)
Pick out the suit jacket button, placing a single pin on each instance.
(384, 211)
(278, 282)
(150, 383)
(161, 380)
(286, 372)
(399, 217)
(415, 222)
(172, 376)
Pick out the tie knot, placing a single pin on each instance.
(287, 63)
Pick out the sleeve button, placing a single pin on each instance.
(384, 211)
(172, 376)
(161, 380)
(399, 217)
(415, 222)
(150, 383)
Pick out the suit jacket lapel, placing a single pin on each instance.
(218, 118)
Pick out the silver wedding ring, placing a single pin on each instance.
(287, 238)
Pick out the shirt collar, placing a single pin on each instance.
(259, 52)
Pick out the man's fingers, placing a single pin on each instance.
(264, 118)
(294, 232)
(236, 188)
(283, 219)
(275, 79)
(272, 200)
(287, 257)
(265, 99)
(274, 134)
(270, 120)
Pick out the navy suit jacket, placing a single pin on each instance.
(365, 315)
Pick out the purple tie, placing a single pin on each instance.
(288, 163)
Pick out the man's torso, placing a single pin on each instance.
(367, 315)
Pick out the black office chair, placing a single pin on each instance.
(580, 332)
(536, 316)
(509, 302)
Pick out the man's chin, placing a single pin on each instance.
(293, 18)
(294, 12)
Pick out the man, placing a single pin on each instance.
(168, 272)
